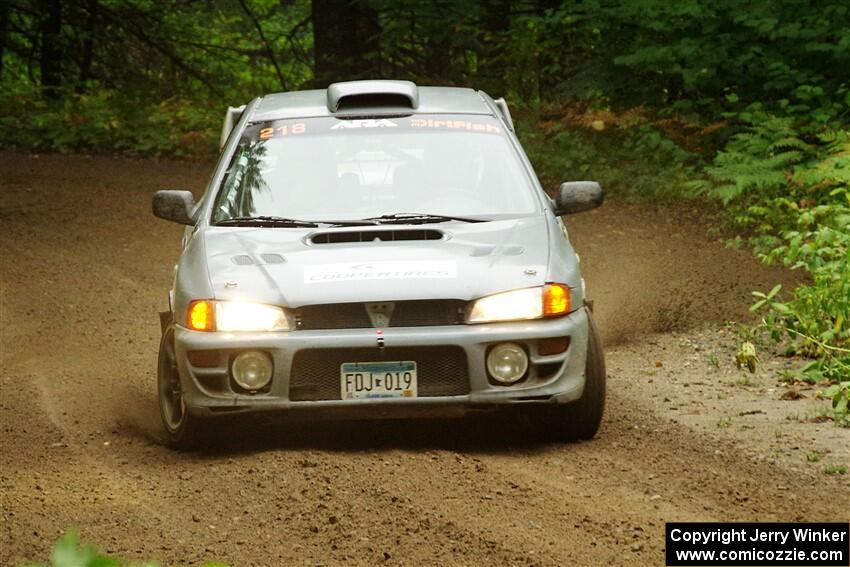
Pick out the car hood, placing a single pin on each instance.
(289, 267)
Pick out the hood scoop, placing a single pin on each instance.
(336, 237)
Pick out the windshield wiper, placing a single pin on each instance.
(418, 218)
(362, 222)
(284, 222)
(395, 218)
(281, 222)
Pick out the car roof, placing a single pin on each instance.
(378, 97)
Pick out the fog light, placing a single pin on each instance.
(507, 363)
(252, 369)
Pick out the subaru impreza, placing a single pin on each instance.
(377, 249)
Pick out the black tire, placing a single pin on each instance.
(579, 420)
(182, 429)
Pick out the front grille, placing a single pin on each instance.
(315, 374)
(416, 313)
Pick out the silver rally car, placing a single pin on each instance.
(377, 249)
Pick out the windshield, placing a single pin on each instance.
(328, 168)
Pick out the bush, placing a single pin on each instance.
(106, 121)
(628, 154)
(787, 183)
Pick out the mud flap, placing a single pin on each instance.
(164, 320)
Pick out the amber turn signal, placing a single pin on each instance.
(556, 300)
(201, 315)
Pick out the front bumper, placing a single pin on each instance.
(557, 378)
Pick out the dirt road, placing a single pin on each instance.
(85, 268)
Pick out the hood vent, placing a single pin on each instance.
(246, 260)
(243, 260)
(273, 258)
(374, 236)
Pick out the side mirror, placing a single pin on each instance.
(577, 196)
(175, 206)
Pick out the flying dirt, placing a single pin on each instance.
(86, 268)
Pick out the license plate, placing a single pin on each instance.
(359, 380)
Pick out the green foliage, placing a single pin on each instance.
(705, 57)
(147, 78)
(817, 317)
(839, 394)
(754, 163)
(788, 184)
(69, 552)
(630, 158)
(119, 60)
(105, 121)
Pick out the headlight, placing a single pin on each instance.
(551, 300)
(237, 316)
(207, 315)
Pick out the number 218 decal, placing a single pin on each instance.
(283, 130)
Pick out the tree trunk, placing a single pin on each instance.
(492, 62)
(345, 40)
(87, 52)
(546, 82)
(4, 26)
(51, 51)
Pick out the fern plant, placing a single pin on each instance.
(756, 161)
(789, 188)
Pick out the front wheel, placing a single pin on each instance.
(182, 429)
(578, 420)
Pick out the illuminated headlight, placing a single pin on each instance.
(237, 316)
(207, 315)
(550, 300)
